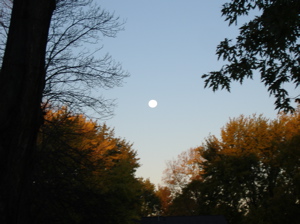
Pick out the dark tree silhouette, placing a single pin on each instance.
(22, 80)
(76, 72)
(268, 44)
(74, 75)
(44, 60)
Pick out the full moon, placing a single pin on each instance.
(152, 103)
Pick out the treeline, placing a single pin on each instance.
(84, 174)
(251, 174)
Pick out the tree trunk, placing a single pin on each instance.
(22, 80)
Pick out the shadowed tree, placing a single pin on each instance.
(268, 44)
(251, 174)
(186, 203)
(150, 204)
(164, 195)
(68, 74)
(22, 80)
(83, 173)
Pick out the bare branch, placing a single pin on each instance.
(73, 70)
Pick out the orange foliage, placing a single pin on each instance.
(87, 135)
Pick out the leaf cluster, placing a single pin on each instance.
(269, 44)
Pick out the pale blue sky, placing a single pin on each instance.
(166, 46)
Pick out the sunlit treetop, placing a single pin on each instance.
(255, 134)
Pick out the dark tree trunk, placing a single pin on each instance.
(22, 80)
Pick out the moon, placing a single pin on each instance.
(152, 103)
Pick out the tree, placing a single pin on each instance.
(269, 44)
(251, 174)
(164, 195)
(150, 201)
(186, 203)
(74, 74)
(72, 69)
(83, 173)
(22, 80)
(25, 68)
(180, 172)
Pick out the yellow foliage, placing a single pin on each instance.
(257, 134)
(246, 134)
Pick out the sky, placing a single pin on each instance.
(167, 45)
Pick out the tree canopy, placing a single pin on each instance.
(267, 44)
(83, 173)
(250, 174)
